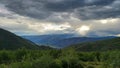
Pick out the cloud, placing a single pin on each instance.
(83, 9)
(109, 28)
(68, 5)
(83, 30)
(23, 25)
(44, 28)
(28, 8)
(84, 17)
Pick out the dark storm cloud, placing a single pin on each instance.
(73, 4)
(82, 9)
(30, 8)
(95, 12)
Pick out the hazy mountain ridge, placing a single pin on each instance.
(62, 40)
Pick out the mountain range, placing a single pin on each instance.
(62, 40)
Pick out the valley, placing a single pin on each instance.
(17, 52)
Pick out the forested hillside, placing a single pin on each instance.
(11, 41)
(104, 45)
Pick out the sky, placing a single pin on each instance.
(81, 17)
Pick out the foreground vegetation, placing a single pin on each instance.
(70, 58)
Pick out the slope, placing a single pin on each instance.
(11, 41)
(104, 45)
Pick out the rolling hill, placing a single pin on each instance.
(11, 41)
(104, 45)
(61, 40)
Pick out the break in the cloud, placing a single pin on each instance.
(84, 17)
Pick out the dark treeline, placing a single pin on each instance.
(24, 58)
